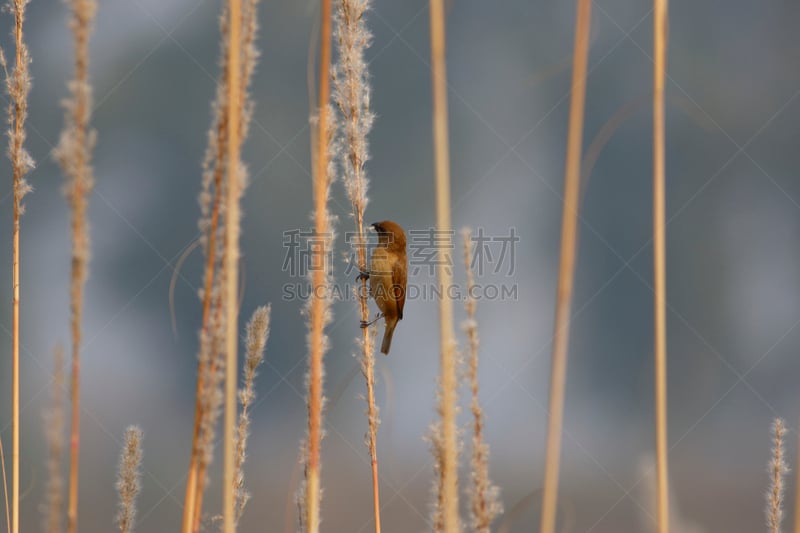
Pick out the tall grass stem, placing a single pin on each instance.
(660, 262)
(566, 271)
(448, 380)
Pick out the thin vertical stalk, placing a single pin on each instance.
(448, 395)
(214, 168)
(18, 86)
(566, 271)
(368, 369)
(660, 262)
(74, 156)
(231, 260)
(351, 93)
(195, 479)
(15, 371)
(317, 341)
(15, 283)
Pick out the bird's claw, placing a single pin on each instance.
(365, 324)
(363, 275)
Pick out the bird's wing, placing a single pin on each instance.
(399, 279)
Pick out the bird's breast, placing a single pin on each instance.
(380, 280)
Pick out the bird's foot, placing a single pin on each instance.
(365, 324)
(362, 275)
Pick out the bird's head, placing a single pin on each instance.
(390, 234)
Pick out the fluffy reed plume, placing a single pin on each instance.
(18, 85)
(445, 440)
(128, 478)
(54, 425)
(256, 340)
(566, 272)
(351, 93)
(777, 470)
(659, 260)
(437, 450)
(484, 496)
(208, 396)
(213, 228)
(319, 305)
(74, 153)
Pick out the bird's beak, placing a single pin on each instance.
(374, 226)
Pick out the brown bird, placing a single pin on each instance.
(388, 277)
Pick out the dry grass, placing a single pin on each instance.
(207, 395)
(319, 311)
(777, 471)
(18, 86)
(351, 93)
(223, 185)
(373, 420)
(566, 271)
(485, 503)
(256, 340)
(231, 262)
(129, 479)
(54, 426)
(73, 153)
(446, 515)
(660, 261)
(215, 217)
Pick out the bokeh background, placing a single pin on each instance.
(733, 256)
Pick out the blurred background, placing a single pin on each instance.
(733, 257)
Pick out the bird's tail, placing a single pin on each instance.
(387, 337)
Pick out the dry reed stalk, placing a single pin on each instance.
(484, 496)
(211, 397)
(566, 271)
(351, 93)
(447, 447)
(256, 340)
(129, 479)
(208, 396)
(54, 425)
(777, 470)
(319, 304)
(373, 421)
(73, 154)
(319, 311)
(231, 260)
(660, 262)
(206, 393)
(18, 84)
